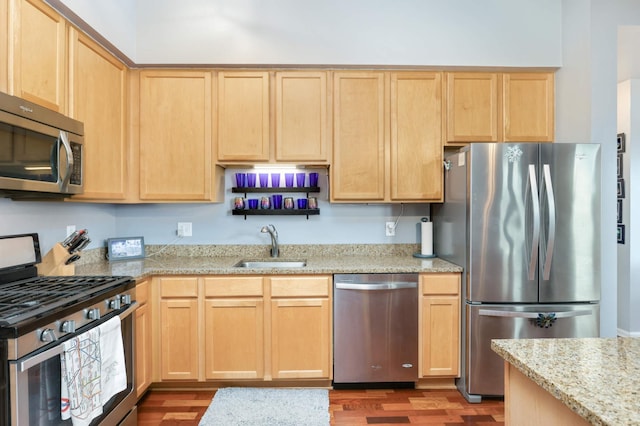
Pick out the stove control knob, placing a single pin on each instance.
(114, 303)
(125, 299)
(93, 314)
(68, 326)
(48, 335)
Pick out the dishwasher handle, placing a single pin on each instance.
(376, 286)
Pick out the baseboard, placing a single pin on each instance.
(625, 333)
(436, 383)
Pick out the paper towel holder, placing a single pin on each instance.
(420, 255)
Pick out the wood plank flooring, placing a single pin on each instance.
(347, 407)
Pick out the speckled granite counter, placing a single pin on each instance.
(596, 378)
(220, 260)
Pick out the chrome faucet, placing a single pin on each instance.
(275, 250)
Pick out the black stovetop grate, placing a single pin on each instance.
(28, 298)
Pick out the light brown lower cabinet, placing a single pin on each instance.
(439, 328)
(179, 328)
(301, 327)
(244, 327)
(143, 352)
(234, 324)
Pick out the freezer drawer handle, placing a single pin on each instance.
(532, 315)
(376, 286)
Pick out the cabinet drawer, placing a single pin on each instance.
(179, 287)
(296, 286)
(233, 286)
(142, 292)
(440, 283)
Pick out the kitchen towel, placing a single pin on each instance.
(426, 229)
(81, 384)
(113, 373)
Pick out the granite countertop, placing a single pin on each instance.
(597, 378)
(219, 260)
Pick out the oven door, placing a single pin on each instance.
(35, 384)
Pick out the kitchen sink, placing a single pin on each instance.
(271, 263)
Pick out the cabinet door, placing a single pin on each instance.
(5, 30)
(179, 345)
(143, 349)
(439, 329)
(300, 338)
(243, 116)
(179, 339)
(301, 117)
(359, 137)
(37, 69)
(175, 135)
(472, 107)
(234, 342)
(416, 136)
(301, 327)
(97, 83)
(528, 100)
(144, 360)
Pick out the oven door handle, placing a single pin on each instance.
(58, 349)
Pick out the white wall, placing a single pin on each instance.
(628, 253)
(372, 32)
(116, 20)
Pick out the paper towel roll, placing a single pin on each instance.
(427, 238)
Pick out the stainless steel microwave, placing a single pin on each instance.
(41, 151)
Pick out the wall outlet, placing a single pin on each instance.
(184, 229)
(390, 229)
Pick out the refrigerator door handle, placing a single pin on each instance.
(535, 240)
(551, 203)
(533, 315)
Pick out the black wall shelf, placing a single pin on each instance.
(273, 212)
(256, 190)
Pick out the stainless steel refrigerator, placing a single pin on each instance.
(523, 220)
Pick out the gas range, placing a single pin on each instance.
(39, 315)
(38, 311)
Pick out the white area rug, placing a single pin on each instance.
(268, 407)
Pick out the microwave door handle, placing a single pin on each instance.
(64, 183)
(551, 202)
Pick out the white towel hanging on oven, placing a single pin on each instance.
(113, 375)
(80, 384)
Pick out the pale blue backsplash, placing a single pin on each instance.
(213, 223)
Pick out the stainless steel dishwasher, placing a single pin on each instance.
(375, 328)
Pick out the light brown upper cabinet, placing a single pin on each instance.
(416, 136)
(176, 160)
(302, 132)
(359, 137)
(387, 138)
(38, 65)
(98, 98)
(243, 116)
(496, 107)
(528, 103)
(274, 117)
(473, 110)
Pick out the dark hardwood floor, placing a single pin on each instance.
(347, 407)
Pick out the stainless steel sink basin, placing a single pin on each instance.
(271, 263)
